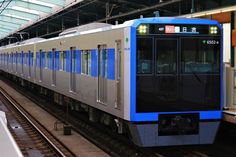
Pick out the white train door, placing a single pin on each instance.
(102, 74)
(118, 74)
(72, 70)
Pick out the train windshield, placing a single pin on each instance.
(200, 55)
(177, 73)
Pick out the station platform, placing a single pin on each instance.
(75, 142)
(229, 115)
(8, 146)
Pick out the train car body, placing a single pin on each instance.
(162, 77)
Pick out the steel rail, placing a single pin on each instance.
(28, 119)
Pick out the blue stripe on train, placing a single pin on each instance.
(103, 64)
(31, 58)
(94, 60)
(28, 59)
(111, 64)
(78, 61)
(22, 56)
(42, 59)
(68, 64)
(37, 60)
(57, 60)
(50, 60)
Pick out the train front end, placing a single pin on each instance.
(176, 81)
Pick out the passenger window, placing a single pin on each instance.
(166, 52)
(39, 58)
(105, 55)
(16, 54)
(22, 57)
(46, 59)
(47, 56)
(73, 57)
(42, 58)
(89, 62)
(31, 58)
(86, 62)
(63, 60)
(19, 58)
(26, 56)
(144, 55)
(13, 56)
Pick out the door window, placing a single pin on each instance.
(166, 53)
(144, 55)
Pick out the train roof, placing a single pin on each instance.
(85, 27)
(24, 42)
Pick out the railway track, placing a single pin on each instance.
(41, 142)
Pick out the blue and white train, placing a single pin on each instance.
(160, 79)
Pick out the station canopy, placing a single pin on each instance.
(16, 14)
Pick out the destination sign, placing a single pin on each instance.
(178, 29)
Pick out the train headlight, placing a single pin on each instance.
(142, 29)
(213, 30)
